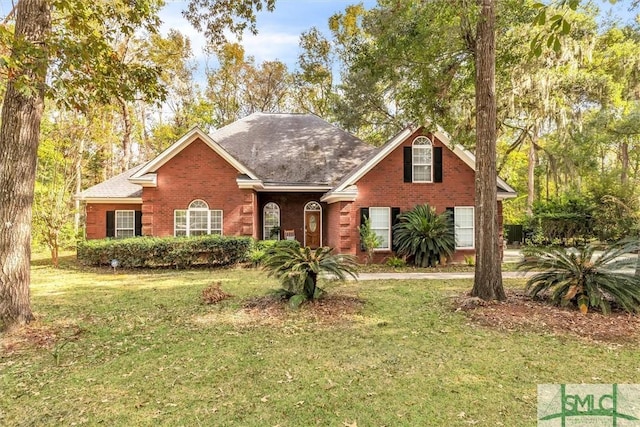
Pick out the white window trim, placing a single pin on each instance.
(209, 212)
(266, 232)
(419, 142)
(473, 231)
(389, 235)
(116, 228)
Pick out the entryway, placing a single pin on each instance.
(313, 225)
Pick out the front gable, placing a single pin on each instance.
(448, 161)
(394, 180)
(147, 175)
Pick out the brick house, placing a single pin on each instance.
(276, 176)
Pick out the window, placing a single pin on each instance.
(271, 222)
(197, 220)
(464, 224)
(381, 225)
(421, 156)
(125, 224)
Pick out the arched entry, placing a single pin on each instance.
(313, 225)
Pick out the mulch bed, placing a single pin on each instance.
(521, 312)
(329, 309)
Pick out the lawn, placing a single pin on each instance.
(139, 348)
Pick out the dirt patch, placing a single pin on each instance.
(37, 336)
(330, 309)
(521, 312)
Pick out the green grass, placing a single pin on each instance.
(138, 348)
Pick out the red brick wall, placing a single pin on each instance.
(96, 217)
(343, 222)
(197, 172)
(384, 186)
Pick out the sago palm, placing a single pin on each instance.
(298, 268)
(424, 235)
(584, 279)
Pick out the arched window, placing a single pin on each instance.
(197, 220)
(422, 159)
(271, 221)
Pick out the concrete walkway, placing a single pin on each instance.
(434, 276)
(510, 255)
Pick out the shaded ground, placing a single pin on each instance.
(520, 312)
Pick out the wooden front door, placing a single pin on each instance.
(312, 229)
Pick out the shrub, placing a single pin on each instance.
(260, 249)
(424, 236)
(580, 278)
(562, 220)
(179, 252)
(298, 269)
(395, 262)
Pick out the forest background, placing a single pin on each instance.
(568, 119)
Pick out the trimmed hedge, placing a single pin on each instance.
(178, 252)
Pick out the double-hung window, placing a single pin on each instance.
(125, 224)
(271, 221)
(464, 225)
(197, 220)
(380, 220)
(422, 159)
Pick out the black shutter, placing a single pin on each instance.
(364, 214)
(437, 164)
(452, 215)
(138, 231)
(395, 213)
(111, 223)
(408, 163)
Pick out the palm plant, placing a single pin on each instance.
(584, 279)
(298, 268)
(424, 235)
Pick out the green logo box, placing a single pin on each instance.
(592, 405)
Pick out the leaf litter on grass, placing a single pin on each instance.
(521, 312)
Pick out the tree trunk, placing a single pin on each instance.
(78, 183)
(531, 175)
(126, 137)
(19, 138)
(624, 160)
(488, 275)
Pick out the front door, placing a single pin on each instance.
(312, 229)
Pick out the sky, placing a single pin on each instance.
(278, 31)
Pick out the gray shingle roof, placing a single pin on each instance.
(116, 187)
(292, 148)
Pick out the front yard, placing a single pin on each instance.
(139, 348)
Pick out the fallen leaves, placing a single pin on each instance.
(519, 312)
(331, 309)
(213, 294)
